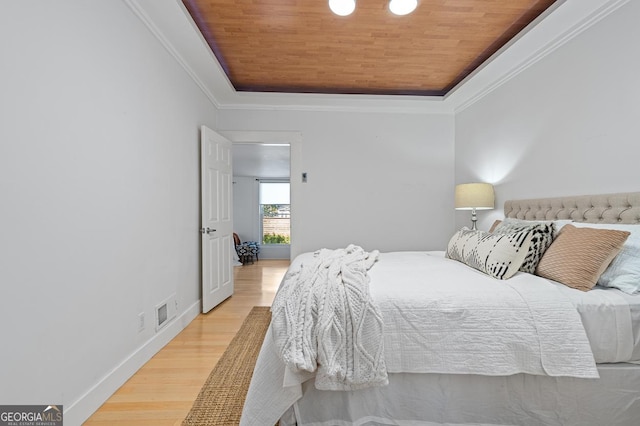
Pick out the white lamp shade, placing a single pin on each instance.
(402, 7)
(342, 7)
(477, 196)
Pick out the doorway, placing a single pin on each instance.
(257, 166)
(287, 162)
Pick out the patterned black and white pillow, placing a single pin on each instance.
(542, 237)
(497, 255)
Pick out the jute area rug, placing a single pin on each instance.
(222, 396)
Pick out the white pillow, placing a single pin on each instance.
(497, 255)
(558, 223)
(542, 235)
(624, 271)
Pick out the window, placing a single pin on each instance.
(275, 212)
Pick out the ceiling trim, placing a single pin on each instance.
(531, 47)
(170, 22)
(266, 136)
(173, 27)
(341, 103)
(142, 12)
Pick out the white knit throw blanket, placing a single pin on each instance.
(323, 320)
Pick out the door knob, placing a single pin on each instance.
(207, 230)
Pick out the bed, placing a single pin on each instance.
(531, 351)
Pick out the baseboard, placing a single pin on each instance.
(80, 410)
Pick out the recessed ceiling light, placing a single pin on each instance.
(402, 7)
(342, 7)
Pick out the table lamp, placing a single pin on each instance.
(474, 196)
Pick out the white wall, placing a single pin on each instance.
(99, 216)
(568, 125)
(380, 180)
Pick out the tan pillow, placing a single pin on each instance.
(578, 256)
(495, 225)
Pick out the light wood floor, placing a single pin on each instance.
(163, 390)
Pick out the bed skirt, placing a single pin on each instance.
(439, 399)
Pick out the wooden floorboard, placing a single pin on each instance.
(163, 390)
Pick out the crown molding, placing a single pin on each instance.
(340, 103)
(171, 24)
(151, 14)
(542, 38)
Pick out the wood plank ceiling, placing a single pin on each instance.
(300, 46)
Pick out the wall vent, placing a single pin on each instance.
(166, 311)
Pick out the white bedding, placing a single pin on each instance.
(634, 310)
(324, 321)
(459, 399)
(443, 317)
(611, 319)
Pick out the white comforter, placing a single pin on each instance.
(443, 317)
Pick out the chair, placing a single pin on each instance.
(247, 250)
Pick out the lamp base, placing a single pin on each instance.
(474, 219)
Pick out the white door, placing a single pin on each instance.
(217, 222)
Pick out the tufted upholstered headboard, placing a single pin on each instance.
(607, 208)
